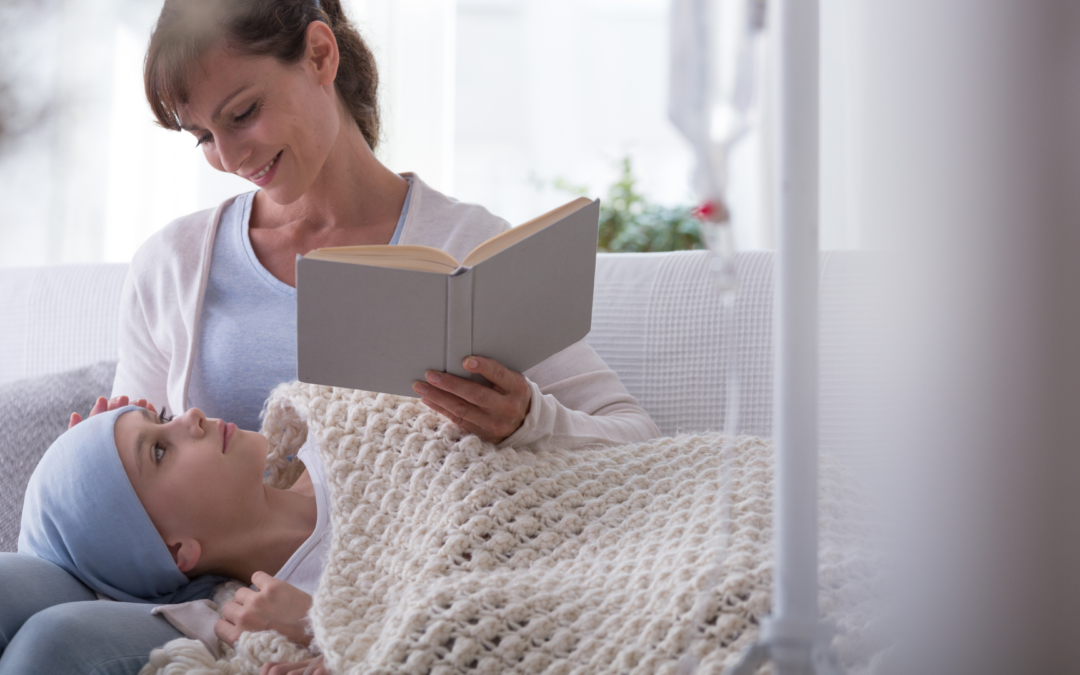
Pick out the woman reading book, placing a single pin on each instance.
(282, 93)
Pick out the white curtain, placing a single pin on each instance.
(490, 101)
(96, 176)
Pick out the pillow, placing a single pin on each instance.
(33, 414)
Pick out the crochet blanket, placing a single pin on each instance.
(450, 555)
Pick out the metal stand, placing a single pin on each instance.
(792, 648)
(794, 639)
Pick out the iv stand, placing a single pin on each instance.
(793, 638)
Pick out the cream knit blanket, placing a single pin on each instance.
(452, 556)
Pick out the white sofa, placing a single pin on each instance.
(656, 321)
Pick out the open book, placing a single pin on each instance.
(378, 317)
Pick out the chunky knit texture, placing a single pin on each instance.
(452, 556)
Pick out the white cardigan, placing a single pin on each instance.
(576, 398)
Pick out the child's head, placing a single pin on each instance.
(133, 505)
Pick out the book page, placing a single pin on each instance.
(505, 240)
(407, 257)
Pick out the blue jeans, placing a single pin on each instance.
(51, 623)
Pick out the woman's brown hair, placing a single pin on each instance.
(186, 29)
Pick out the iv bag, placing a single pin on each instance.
(712, 84)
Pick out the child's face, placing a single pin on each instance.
(194, 476)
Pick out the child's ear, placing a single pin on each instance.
(185, 553)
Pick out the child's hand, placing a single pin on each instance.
(312, 667)
(103, 405)
(275, 605)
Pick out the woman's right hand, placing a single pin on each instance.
(105, 405)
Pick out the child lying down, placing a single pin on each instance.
(447, 553)
(142, 508)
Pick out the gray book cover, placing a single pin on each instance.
(379, 329)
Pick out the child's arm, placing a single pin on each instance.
(274, 605)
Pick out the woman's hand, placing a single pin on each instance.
(103, 405)
(275, 605)
(313, 667)
(492, 413)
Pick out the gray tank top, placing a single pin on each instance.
(247, 328)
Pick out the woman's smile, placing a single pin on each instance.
(266, 174)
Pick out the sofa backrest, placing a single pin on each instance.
(57, 318)
(656, 321)
(659, 324)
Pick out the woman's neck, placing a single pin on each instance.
(353, 194)
(269, 538)
(354, 201)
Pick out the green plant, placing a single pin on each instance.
(629, 222)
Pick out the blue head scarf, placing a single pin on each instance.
(81, 513)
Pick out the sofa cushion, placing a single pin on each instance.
(33, 413)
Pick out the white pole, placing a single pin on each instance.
(792, 636)
(794, 29)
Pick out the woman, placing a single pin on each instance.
(281, 92)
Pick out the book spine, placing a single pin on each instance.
(459, 321)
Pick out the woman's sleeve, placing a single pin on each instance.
(143, 369)
(576, 401)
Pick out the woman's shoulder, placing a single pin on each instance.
(435, 219)
(181, 243)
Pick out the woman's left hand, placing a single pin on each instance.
(102, 405)
(492, 413)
